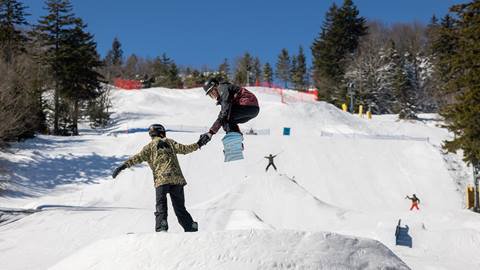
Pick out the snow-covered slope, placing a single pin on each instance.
(337, 173)
(234, 250)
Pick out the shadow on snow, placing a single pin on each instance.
(43, 173)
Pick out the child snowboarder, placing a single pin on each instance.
(161, 155)
(270, 162)
(238, 105)
(415, 201)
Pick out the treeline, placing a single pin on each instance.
(405, 68)
(50, 73)
(388, 69)
(162, 71)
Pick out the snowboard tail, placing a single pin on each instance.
(233, 146)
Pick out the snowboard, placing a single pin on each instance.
(233, 146)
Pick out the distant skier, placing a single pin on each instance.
(270, 162)
(415, 201)
(238, 105)
(161, 156)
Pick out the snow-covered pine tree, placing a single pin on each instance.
(404, 90)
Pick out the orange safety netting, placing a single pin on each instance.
(127, 84)
(289, 96)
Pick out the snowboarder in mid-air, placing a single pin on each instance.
(161, 156)
(270, 162)
(238, 105)
(415, 201)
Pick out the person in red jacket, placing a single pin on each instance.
(415, 201)
(238, 105)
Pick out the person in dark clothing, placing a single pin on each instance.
(415, 201)
(238, 106)
(270, 162)
(161, 156)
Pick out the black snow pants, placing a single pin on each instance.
(239, 115)
(178, 201)
(271, 164)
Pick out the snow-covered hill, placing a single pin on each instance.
(342, 181)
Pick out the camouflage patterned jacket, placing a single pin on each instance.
(161, 155)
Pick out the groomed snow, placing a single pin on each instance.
(340, 188)
(234, 250)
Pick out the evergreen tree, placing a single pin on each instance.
(299, 70)
(166, 73)
(131, 69)
(243, 72)
(257, 71)
(443, 44)
(79, 78)
(324, 62)
(293, 71)
(283, 67)
(115, 54)
(268, 74)
(339, 37)
(404, 91)
(463, 115)
(12, 18)
(194, 78)
(51, 34)
(224, 70)
(114, 60)
(384, 98)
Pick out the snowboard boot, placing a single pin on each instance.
(162, 227)
(193, 228)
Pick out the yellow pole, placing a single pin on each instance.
(360, 110)
(470, 197)
(369, 114)
(344, 107)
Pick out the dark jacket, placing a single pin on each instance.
(270, 158)
(231, 95)
(414, 199)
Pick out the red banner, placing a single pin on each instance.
(127, 84)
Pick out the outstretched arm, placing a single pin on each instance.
(225, 104)
(138, 158)
(184, 148)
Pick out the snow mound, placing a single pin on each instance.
(264, 195)
(254, 249)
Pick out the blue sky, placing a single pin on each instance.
(197, 33)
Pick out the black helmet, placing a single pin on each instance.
(156, 130)
(209, 85)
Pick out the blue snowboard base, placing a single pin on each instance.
(233, 146)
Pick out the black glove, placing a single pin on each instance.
(204, 139)
(118, 170)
